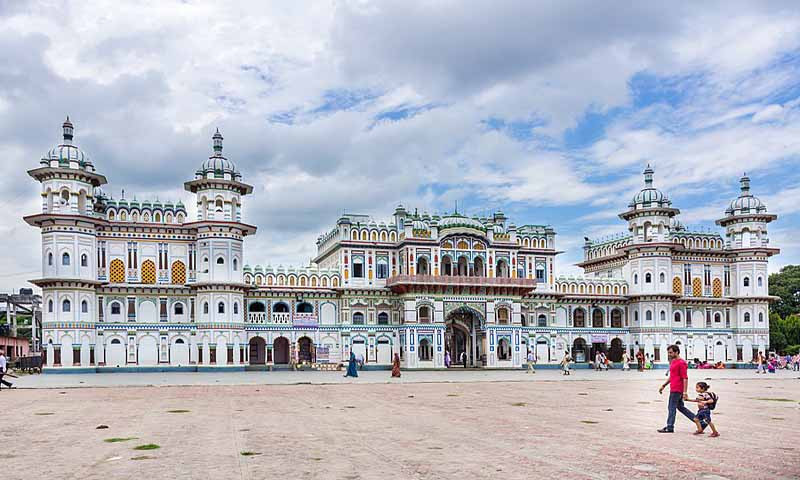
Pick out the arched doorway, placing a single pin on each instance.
(616, 318)
(305, 350)
(465, 338)
(579, 350)
(179, 352)
(478, 269)
(719, 351)
(463, 266)
(503, 350)
(422, 266)
(615, 353)
(280, 348)
(447, 265)
(258, 351)
(597, 318)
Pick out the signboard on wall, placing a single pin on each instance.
(323, 355)
(598, 338)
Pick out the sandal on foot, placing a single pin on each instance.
(715, 434)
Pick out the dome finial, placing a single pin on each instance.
(68, 130)
(217, 138)
(648, 176)
(745, 182)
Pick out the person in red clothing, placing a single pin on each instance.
(678, 382)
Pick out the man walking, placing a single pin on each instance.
(531, 362)
(678, 382)
(3, 370)
(464, 358)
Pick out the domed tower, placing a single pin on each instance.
(219, 188)
(68, 224)
(745, 224)
(649, 213)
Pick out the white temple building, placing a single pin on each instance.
(135, 284)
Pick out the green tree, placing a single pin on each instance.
(786, 285)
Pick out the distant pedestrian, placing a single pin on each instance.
(464, 358)
(565, 363)
(761, 363)
(396, 366)
(531, 362)
(626, 359)
(706, 401)
(678, 382)
(603, 361)
(597, 357)
(352, 371)
(3, 370)
(360, 361)
(447, 359)
(796, 362)
(640, 360)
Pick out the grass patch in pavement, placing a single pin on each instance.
(250, 454)
(147, 446)
(119, 439)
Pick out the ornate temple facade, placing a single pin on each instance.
(129, 284)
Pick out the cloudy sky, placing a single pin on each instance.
(546, 110)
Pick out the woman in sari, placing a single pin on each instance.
(352, 370)
(396, 366)
(447, 359)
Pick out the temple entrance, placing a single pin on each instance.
(258, 351)
(615, 353)
(281, 351)
(465, 339)
(305, 352)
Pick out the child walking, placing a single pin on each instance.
(706, 401)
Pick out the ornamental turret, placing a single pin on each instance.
(649, 213)
(746, 220)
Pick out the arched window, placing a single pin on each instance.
(157, 217)
(717, 318)
(635, 279)
(221, 307)
(616, 318)
(50, 258)
(49, 306)
(760, 316)
(663, 316)
(636, 316)
(358, 267)
(84, 260)
(542, 320)
(358, 318)
(220, 261)
(662, 278)
(422, 266)
(116, 308)
(579, 318)
(502, 316)
(677, 317)
(65, 259)
(746, 281)
(236, 308)
(235, 265)
(205, 308)
(648, 278)
(66, 306)
(383, 318)
(746, 316)
(305, 307)
(84, 306)
(280, 307)
(177, 309)
(424, 315)
(648, 316)
(760, 282)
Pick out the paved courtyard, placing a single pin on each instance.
(470, 425)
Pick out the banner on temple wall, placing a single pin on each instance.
(599, 338)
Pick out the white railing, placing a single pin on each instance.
(282, 317)
(257, 317)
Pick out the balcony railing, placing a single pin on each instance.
(257, 317)
(460, 280)
(282, 317)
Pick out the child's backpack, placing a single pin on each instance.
(714, 399)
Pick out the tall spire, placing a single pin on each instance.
(648, 176)
(217, 138)
(67, 126)
(745, 182)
